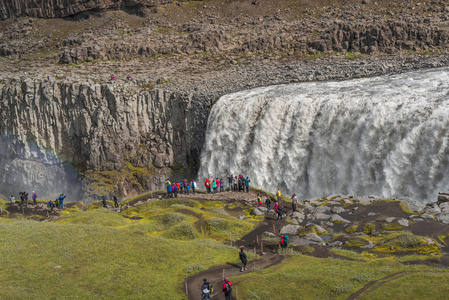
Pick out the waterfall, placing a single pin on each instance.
(386, 136)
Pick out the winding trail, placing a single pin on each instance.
(375, 284)
(215, 275)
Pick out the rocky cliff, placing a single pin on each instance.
(59, 9)
(121, 137)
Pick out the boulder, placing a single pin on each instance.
(433, 210)
(444, 207)
(347, 201)
(268, 234)
(322, 216)
(389, 219)
(403, 222)
(338, 210)
(258, 211)
(370, 214)
(319, 229)
(443, 218)
(365, 200)
(427, 217)
(338, 219)
(298, 216)
(443, 197)
(322, 209)
(313, 237)
(370, 245)
(290, 229)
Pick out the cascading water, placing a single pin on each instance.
(386, 136)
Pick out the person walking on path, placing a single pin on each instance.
(61, 201)
(12, 199)
(193, 186)
(247, 181)
(259, 200)
(115, 200)
(34, 197)
(279, 211)
(206, 290)
(240, 183)
(230, 180)
(268, 203)
(104, 201)
(188, 189)
(221, 185)
(180, 188)
(294, 202)
(227, 289)
(243, 258)
(278, 194)
(235, 182)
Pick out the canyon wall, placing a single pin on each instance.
(119, 137)
(60, 9)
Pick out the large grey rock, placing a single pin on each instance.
(443, 197)
(258, 211)
(338, 210)
(322, 209)
(403, 222)
(427, 217)
(365, 200)
(432, 210)
(313, 237)
(389, 219)
(299, 217)
(370, 245)
(322, 216)
(443, 218)
(290, 229)
(338, 219)
(444, 207)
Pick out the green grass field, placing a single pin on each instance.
(144, 252)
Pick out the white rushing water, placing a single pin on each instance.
(386, 136)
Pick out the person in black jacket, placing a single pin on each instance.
(206, 290)
(243, 258)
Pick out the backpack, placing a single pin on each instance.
(206, 290)
(286, 240)
(228, 287)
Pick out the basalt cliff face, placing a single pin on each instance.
(59, 9)
(120, 137)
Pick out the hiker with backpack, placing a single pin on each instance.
(51, 205)
(268, 203)
(284, 241)
(243, 258)
(294, 202)
(227, 288)
(259, 200)
(34, 197)
(115, 200)
(206, 290)
(279, 212)
(61, 201)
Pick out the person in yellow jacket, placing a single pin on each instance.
(278, 194)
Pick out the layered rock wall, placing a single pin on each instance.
(59, 9)
(58, 130)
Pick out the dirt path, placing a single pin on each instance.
(375, 284)
(215, 275)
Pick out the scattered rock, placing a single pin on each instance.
(258, 211)
(389, 219)
(338, 219)
(403, 222)
(370, 214)
(290, 229)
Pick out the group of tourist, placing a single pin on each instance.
(24, 198)
(57, 203)
(182, 187)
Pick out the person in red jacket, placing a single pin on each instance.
(207, 185)
(281, 243)
(227, 288)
